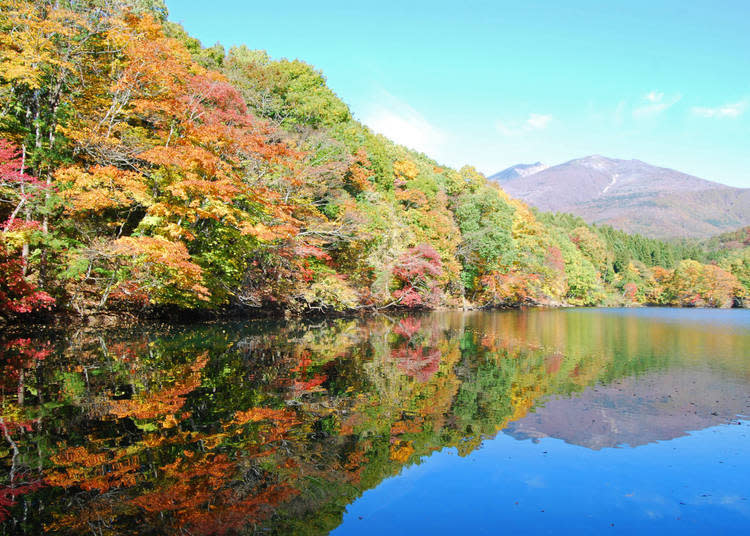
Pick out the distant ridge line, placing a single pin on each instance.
(630, 195)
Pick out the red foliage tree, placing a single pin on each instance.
(18, 191)
(416, 272)
(629, 291)
(17, 294)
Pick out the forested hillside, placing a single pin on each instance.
(140, 172)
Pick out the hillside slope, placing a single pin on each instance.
(212, 180)
(633, 196)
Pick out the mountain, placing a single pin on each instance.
(631, 195)
(519, 170)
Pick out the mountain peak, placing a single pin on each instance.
(596, 161)
(519, 170)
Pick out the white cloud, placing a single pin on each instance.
(538, 121)
(397, 120)
(730, 110)
(655, 103)
(531, 123)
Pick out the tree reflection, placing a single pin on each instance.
(233, 428)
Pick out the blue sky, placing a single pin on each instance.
(493, 84)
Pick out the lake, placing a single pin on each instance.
(534, 421)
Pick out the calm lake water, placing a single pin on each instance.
(541, 421)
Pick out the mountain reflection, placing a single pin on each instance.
(637, 411)
(262, 427)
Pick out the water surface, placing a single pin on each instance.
(540, 421)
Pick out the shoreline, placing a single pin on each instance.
(108, 319)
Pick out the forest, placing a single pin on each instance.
(142, 173)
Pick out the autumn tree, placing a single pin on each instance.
(485, 219)
(702, 285)
(20, 194)
(416, 274)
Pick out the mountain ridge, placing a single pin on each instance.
(519, 170)
(631, 195)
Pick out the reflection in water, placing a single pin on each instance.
(276, 428)
(633, 411)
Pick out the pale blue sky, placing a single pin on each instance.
(496, 83)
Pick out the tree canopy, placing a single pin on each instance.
(140, 171)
